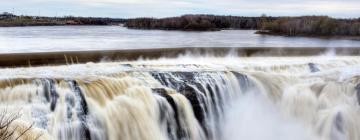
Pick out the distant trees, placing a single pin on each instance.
(90, 20)
(197, 22)
(7, 19)
(291, 26)
(6, 15)
(313, 25)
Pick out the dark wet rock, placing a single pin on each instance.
(126, 65)
(50, 93)
(245, 83)
(358, 93)
(180, 132)
(197, 102)
(75, 87)
(160, 91)
(339, 123)
(313, 67)
(338, 130)
(83, 111)
(47, 89)
(216, 99)
(186, 84)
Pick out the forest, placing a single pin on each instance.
(9, 20)
(312, 25)
(290, 26)
(198, 23)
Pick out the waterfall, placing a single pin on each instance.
(177, 99)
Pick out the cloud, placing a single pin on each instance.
(290, 7)
(163, 8)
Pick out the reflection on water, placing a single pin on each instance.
(70, 38)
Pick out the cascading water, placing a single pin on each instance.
(276, 98)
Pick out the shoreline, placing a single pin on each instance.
(356, 38)
(10, 20)
(50, 25)
(58, 26)
(197, 23)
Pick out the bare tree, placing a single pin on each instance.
(7, 132)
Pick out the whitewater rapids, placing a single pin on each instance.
(186, 98)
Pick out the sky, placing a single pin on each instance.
(168, 8)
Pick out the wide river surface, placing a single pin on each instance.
(80, 38)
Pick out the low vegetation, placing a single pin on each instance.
(9, 131)
(9, 20)
(312, 25)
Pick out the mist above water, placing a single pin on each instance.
(253, 117)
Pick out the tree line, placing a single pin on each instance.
(291, 26)
(313, 25)
(8, 19)
(198, 22)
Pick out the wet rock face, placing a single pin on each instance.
(126, 65)
(50, 93)
(358, 92)
(77, 102)
(207, 93)
(179, 130)
(82, 112)
(313, 67)
(339, 122)
(184, 82)
(338, 130)
(244, 82)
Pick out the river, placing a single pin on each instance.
(189, 97)
(80, 38)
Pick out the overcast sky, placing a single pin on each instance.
(166, 8)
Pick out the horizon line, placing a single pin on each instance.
(64, 16)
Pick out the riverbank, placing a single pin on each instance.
(356, 38)
(313, 26)
(10, 20)
(305, 26)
